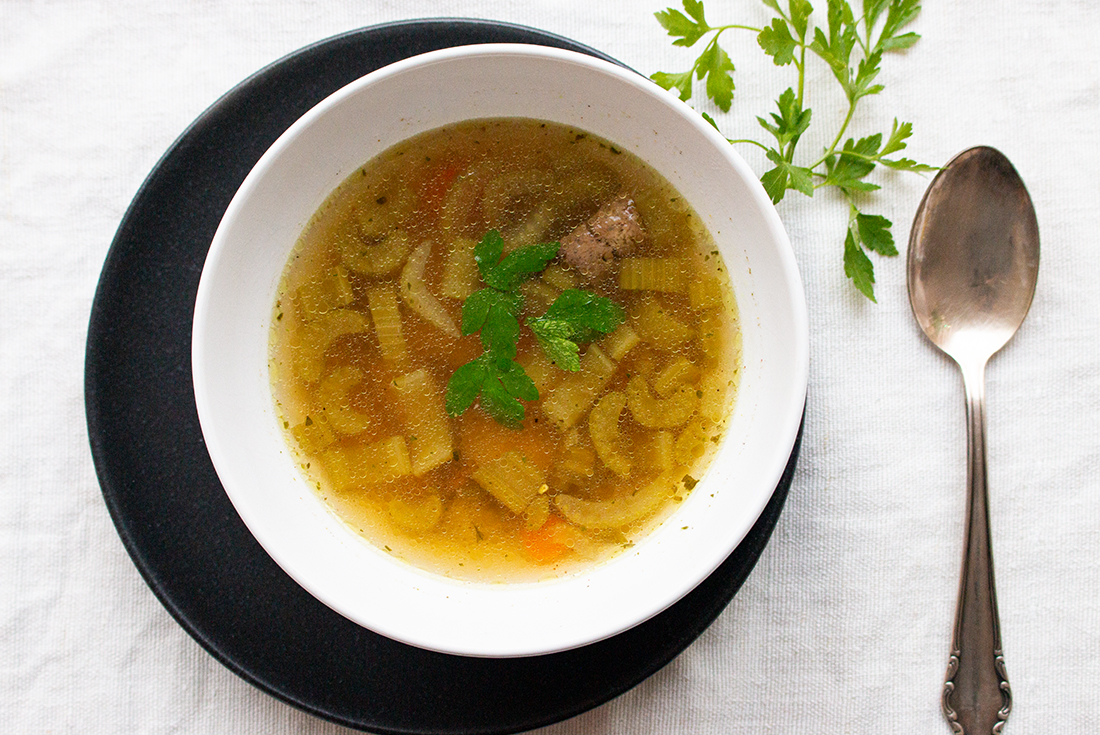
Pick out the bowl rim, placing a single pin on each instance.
(203, 316)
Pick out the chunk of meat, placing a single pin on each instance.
(612, 232)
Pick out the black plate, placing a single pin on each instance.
(177, 522)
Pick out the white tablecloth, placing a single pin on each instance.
(844, 625)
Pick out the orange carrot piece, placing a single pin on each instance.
(436, 185)
(547, 544)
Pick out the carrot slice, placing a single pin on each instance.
(548, 543)
(436, 185)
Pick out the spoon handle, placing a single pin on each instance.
(976, 694)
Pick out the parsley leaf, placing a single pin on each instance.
(488, 251)
(900, 14)
(898, 135)
(791, 122)
(475, 310)
(685, 30)
(503, 386)
(859, 267)
(500, 404)
(494, 312)
(861, 85)
(575, 316)
(519, 264)
(680, 82)
(800, 16)
(716, 66)
(501, 383)
(586, 312)
(711, 120)
(500, 332)
(465, 385)
(874, 233)
(854, 163)
(713, 63)
(852, 46)
(872, 9)
(788, 127)
(785, 176)
(555, 339)
(777, 42)
(516, 381)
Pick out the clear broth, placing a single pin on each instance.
(359, 366)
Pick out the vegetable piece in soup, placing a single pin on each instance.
(504, 350)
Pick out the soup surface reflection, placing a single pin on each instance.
(368, 333)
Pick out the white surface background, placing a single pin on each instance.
(844, 625)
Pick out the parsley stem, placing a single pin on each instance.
(756, 143)
(737, 27)
(864, 44)
(864, 157)
(714, 40)
(832, 149)
(801, 71)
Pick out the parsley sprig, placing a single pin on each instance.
(853, 48)
(575, 316)
(494, 311)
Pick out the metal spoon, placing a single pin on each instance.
(973, 263)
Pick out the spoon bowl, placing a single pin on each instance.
(972, 267)
(973, 255)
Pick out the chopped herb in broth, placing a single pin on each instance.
(617, 341)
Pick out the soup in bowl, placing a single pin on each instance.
(500, 350)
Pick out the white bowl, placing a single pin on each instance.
(237, 291)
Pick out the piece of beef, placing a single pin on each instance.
(612, 232)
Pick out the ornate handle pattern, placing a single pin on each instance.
(976, 695)
(949, 687)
